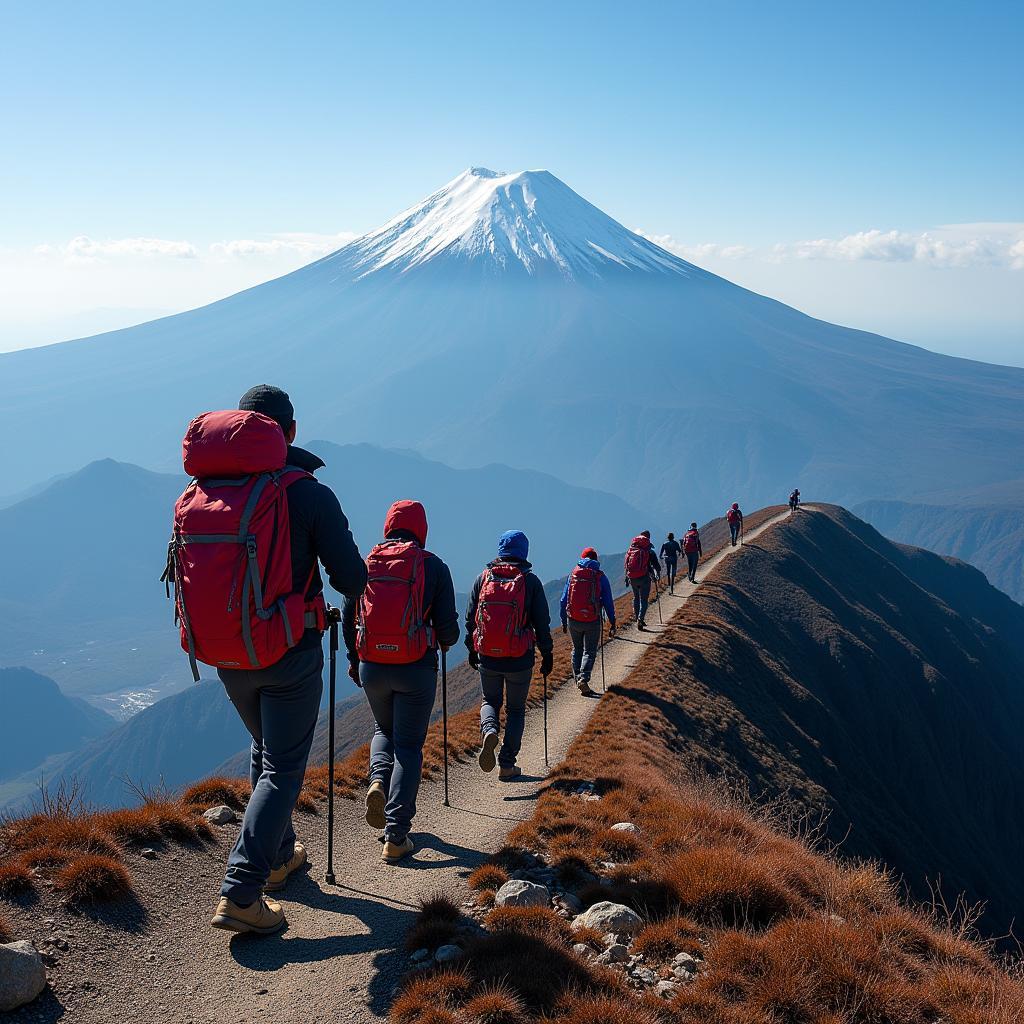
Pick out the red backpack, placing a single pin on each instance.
(501, 628)
(733, 516)
(691, 542)
(638, 558)
(229, 558)
(584, 602)
(390, 626)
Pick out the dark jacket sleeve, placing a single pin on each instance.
(334, 545)
(539, 613)
(443, 615)
(655, 564)
(474, 597)
(563, 604)
(606, 599)
(348, 627)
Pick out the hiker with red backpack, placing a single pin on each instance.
(506, 620)
(248, 533)
(392, 634)
(735, 519)
(641, 568)
(586, 598)
(693, 549)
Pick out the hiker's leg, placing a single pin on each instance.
(635, 584)
(377, 685)
(517, 689)
(289, 694)
(590, 640)
(492, 684)
(576, 635)
(644, 592)
(414, 689)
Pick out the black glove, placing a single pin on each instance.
(547, 663)
(474, 659)
(353, 673)
(611, 629)
(565, 628)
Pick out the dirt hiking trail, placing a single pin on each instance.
(342, 954)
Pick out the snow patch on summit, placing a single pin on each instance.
(528, 220)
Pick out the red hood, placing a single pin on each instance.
(641, 542)
(409, 516)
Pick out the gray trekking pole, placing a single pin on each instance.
(545, 720)
(333, 616)
(604, 688)
(444, 718)
(657, 594)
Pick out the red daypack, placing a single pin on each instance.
(501, 628)
(584, 601)
(691, 542)
(733, 516)
(638, 558)
(390, 627)
(229, 558)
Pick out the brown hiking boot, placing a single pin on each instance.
(279, 876)
(584, 687)
(264, 917)
(508, 774)
(376, 798)
(486, 758)
(394, 852)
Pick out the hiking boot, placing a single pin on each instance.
(394, 852)
(584, 687)
(279, 876)
(376, 798)
(486, 758)
(641, 625)
(264, 917)
(510, 773)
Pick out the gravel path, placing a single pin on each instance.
(342, 954)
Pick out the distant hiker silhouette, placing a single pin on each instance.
(794, 500)
(693, 549)
(735, 519)
(587, 593)
(670, 553)
(641, 568)
(507, 617)
(248, 532)
(392, 635)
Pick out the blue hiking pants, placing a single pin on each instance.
(279, 706)
(586, 638)
(670, 571)
(401, 698)
(641, 596)
(510, 689)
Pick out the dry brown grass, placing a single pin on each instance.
(15, 879)
(217, 790)
(488, 876)
(541, 922)
(663, 939)
(93, 879)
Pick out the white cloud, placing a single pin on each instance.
(305, 245)
(701, 251)
(83, 248)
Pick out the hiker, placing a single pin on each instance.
(735, 519)
(794, 500)
(693, 549)
(587, 593)
(670, 553)
(266, 640)
(506, 619)
(641, 566)
(392, 635)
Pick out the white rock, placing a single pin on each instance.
(22, 975)
(685, 960)
(626, 826)
(684, 973)
(148, 852)
(645, 974)
(665, 989)
(582, 949)
(222, 815)
(616, 953)
(445, 954)
(610, 917)
(520, 893)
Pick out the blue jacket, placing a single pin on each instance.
(606, 591)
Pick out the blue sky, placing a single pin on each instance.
(862, 162)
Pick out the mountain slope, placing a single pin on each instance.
(507, 319)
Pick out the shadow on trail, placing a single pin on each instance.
(462, 856)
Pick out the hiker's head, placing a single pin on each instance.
(514, 544)
(693, 526)
(589, 553)
(272, 402)
(645, 533)
(736, 506)
(409, 516)
(671, 536)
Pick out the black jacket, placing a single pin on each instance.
(670, 550)
(538, 615)
(438, 606)
(320, 532)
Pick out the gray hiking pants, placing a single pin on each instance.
(692, 558)
(401, 698)
(586, 638)
(279, 707)
(512, 689)
(641, 596)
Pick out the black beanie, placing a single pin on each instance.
(270, 401)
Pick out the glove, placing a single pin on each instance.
(547, 663)
(565, 628)
(474, 659)
(611, 629)
(353, 673)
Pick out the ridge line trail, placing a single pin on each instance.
(342, 953)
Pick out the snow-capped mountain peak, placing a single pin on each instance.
(527, 221)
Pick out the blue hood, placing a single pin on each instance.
(514, 544)
(589, 563)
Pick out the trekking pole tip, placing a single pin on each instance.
(329, 878)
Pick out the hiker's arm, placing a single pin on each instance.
(655, 563)
(348, 628)
(563, 605)
(607, 600)
(540, 616)
(444, 617)
(334, 545)
(474, 596)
